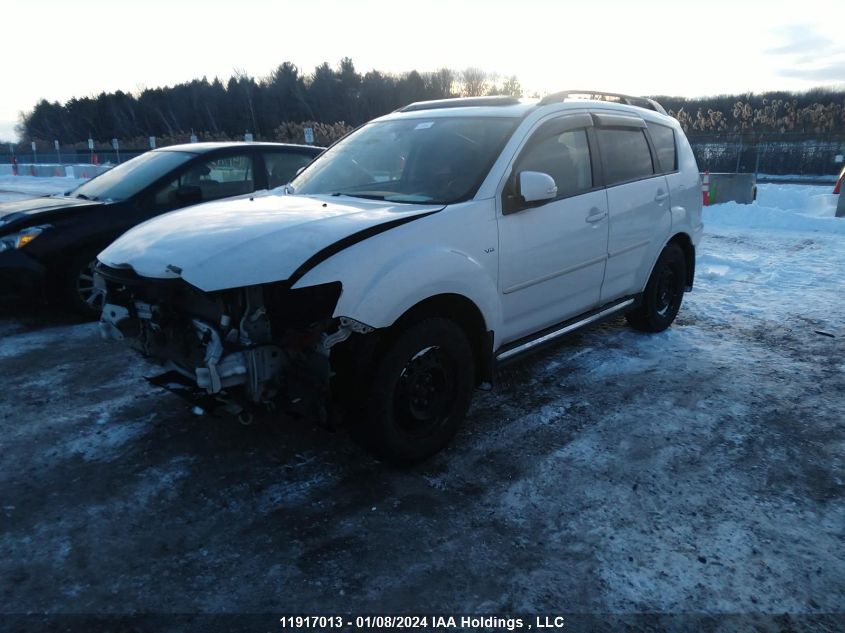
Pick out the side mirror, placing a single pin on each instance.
(535, 186)
(187, 194)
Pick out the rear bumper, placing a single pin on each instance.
(21, 277)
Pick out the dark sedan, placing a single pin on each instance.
(48, 245)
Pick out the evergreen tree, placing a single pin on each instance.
(286, 97)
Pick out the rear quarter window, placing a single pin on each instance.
(663, 138)
(625, 154)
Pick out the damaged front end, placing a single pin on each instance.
(233, 351)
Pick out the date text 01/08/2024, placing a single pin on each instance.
(422, 622)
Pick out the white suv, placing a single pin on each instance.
(415, 255)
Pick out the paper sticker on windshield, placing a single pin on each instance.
(424, 126)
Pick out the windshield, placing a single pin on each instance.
(124, 181)
(436, 160)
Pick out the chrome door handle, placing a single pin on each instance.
(596, 215)
(661, 196)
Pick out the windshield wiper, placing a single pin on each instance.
(82, 196)
(366, 196)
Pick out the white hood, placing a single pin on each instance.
(244, 242)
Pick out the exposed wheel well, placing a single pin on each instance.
(467, 315)
(683, 240)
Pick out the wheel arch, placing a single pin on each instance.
(467, 315)
(684, 241)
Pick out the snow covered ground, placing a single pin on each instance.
(697, 471)
(21, 187)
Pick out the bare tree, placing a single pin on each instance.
(475, 82)
(442, 82)
(512, 87)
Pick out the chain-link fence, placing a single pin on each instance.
(774, 154)
(75, 157)
(782, 154)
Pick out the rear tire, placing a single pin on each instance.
(663, 292)
(420, 392)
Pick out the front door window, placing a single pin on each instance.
(209, 180)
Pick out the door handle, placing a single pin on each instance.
(596, 215)
(661, 196)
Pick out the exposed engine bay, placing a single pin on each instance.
(232, 351)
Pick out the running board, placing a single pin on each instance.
(566, 329)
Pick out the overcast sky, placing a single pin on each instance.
(57, 50)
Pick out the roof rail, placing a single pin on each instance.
(613, 97)
(460, 102)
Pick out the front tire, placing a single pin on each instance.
(663, 292)
(80, 294)
(420, 392)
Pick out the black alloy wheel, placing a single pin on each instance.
(81, 295)
(420, 392)
(663, 294)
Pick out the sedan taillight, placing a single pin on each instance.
(838, 187)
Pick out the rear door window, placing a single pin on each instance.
(663, 138)
(282, 166)
(211, 180)
(625, 154)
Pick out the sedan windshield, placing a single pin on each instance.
(126, 180)
(435, 160)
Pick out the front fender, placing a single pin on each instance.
(378, 295)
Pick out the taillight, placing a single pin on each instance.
(837, 188)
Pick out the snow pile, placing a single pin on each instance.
(810, 199)
(789, 207)
(831, 178)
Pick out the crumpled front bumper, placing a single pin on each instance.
(243, 349)
(224, 365)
